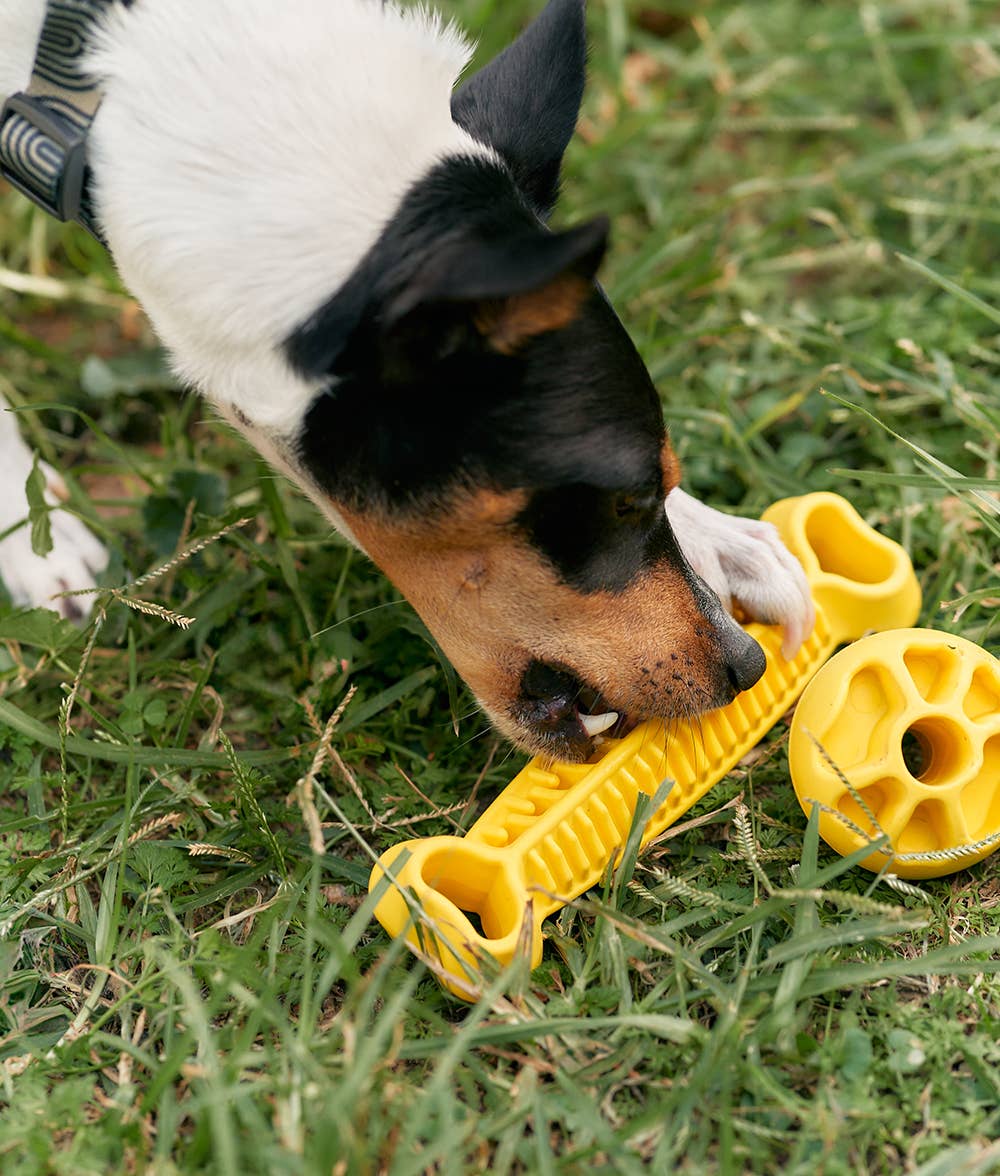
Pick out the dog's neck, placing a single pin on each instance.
(215, 150)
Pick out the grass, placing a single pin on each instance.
(805, 207)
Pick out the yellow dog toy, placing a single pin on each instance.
(555, 829)
(900, 735)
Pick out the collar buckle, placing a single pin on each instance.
(43, 155)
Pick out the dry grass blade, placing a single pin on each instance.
(185, 555)
(207, 849)
(154, 610)
(305, 786)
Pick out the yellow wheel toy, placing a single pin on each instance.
(899, 734)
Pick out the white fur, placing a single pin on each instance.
(745, 562)
(247, 154)
(20, 24)
(76, 555)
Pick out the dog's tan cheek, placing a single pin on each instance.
(495, 606)
(648, 649)
(449, 572)
(649, 666)
(645, 648)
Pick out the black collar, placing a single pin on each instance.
(43, 129)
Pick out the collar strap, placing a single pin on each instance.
(43, 130)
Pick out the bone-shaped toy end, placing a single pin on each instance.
(859, 579)
(456, 902)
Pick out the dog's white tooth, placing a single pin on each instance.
(595, 724)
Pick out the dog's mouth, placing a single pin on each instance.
(598, 717)
(565, 716)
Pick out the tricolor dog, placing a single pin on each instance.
(348, 252)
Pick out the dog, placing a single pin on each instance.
(349, 255)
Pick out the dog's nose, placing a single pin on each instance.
(744, 659)
(741, 656)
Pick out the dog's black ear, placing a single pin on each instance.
(500, 280)
(507, 289)
(525, 103)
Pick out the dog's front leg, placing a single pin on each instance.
(746, 564)
(76, 556)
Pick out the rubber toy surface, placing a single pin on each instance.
(553, 832)
(912, 719)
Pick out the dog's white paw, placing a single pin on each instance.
(74, 561)
(746, 564)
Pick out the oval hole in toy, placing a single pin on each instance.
(843, 549)
(478, 889)
(916, 754)
(933, 750)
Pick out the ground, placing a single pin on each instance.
(804, 200)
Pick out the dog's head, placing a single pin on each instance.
(491, 437)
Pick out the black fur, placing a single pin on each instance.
(525, 103)
(600, 540)
(420, 403)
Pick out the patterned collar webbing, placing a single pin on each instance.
(43, 130)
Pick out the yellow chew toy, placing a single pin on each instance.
(553, 831)
(931, 793)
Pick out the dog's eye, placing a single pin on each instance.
(634, 506)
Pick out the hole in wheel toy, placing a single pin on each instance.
(916, 754)
(875, 797)
(983, 699)
(933, 672)
(873, 702)
(935, 749)
(925, 830)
